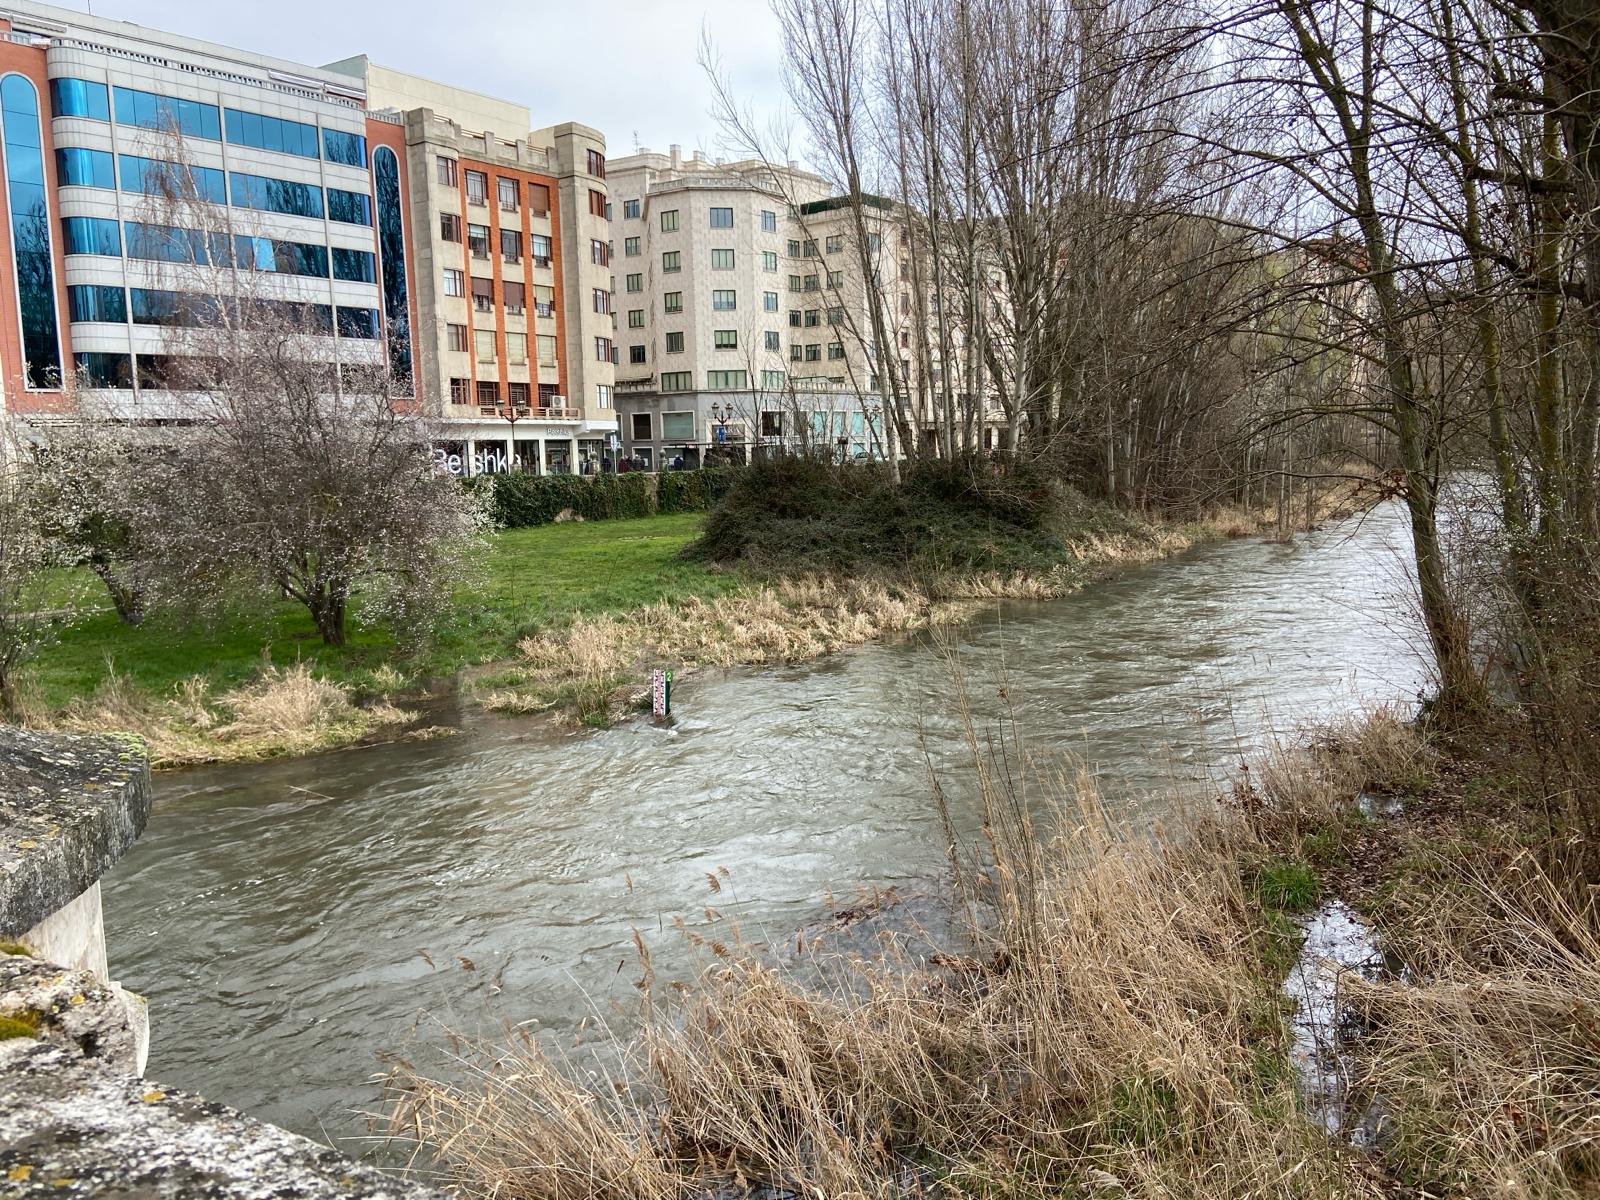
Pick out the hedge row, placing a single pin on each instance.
(517, 501)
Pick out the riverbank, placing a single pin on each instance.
(563, 619)
(1117, 1024)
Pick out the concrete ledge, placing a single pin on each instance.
(71, 1127)
(69, 807)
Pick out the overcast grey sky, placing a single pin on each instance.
(626, 67)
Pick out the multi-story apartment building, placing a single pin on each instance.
(707, 315)
(746, 319)
(331, 199)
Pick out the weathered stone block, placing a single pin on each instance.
(74, 1010)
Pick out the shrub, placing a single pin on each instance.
(694, 491)
(518, 501)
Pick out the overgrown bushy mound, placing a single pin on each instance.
(946, 517)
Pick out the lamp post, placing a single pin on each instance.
(508, 413)
(720, 414)
(874, 411)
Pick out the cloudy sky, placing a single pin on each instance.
(626, 67)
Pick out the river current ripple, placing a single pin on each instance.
(293, 922)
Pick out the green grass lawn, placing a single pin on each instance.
(530, 578)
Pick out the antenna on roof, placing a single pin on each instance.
(638, 148)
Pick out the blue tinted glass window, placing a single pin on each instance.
(358, 322)
(356, 266)
(154, 176)
(30, 232)
(103, 370)
(153, 306)
(392, 247)
(96, 303)
(91, 235)
(275, 195)
(147, 110)
(165, 243)
(347, 148)
(76, 167)
(286, 258)
(353, 208)
(270, 133)
(80, 98)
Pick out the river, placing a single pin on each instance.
(293, 922)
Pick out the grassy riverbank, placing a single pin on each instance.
(1116, 1026)
(569, 618)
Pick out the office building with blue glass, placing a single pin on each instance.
(315, 188)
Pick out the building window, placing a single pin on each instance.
(488, 394)
(811, 283)
(772, 422)
(32, 262)
(460, 391)
(539, 249)
(835, 350)
(99, 370)
(769, 222)
(354, 266)
(96, 303)
(675, 343)
(457, 336)
(636, 355)
(602, 301)
(544, 344)
(597, 203)
(155, 177)
(539, 199)
(672, 302)
(483, 345)
(187, 118)
(677, 427)
(514, 296)
(517, 395)
(630, 247)
(833, 243)
(722, 260)
(602, 395)
(771, 381)
(510, 193)
(269, 254)
(772, 340)
(347, 148)
(445, 171)
(449, 227)
(630, 210)
(725, 339)
(478, 241)
(544, 300)
(671, 261)
(640, 426)
(356, 322)
(835, 279)
(676, 381)
(602, 349)
(482, 294)
(726, 381)
(836, 316)
(352, 208)
(724, 300)
(455, 282)
(269, 133)
(274, 195)
(794, 283)
(597, 164)
(517, 349)
(633, 283)
(636, 318)
(477, 188)
(808, 249)
(80, 98)
(796, 352)
(510, 246)
(722, 218)
(394, 284)
(669, 221)
(794, 247)
(813, 317)
(599, 253)
(814, 353)
(769, 260)
(796, 318)
(769, 301)
(76, 167)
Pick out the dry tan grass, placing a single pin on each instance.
(284, 710)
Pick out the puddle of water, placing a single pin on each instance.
(1337, 944)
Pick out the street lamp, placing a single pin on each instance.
(509, 414)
